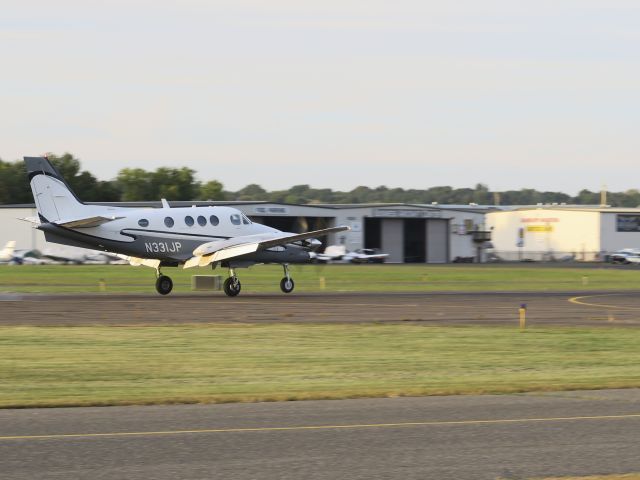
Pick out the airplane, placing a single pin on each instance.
(365, 255)
(8, 252)
(10, 255)
(339, 253)
(161, 237)
(55, 256)
(80, 256)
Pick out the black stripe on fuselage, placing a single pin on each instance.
(136, 247)
(219, 237)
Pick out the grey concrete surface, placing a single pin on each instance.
(470, 437)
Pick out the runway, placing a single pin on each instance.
(471, 437)
(444, 308)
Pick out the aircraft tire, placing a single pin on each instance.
(164, 285)
(230, 289)
(287, 285)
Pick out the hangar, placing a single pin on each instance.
(422, 233)
(548, 233)
(408, 233)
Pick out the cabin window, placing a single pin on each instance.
(245, 220)
(235, 219)
(202, 221)
(214, 220)
(143, 222)
(168, 221)
(189, 220)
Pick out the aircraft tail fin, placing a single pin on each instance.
(54, 199)
(8, 250)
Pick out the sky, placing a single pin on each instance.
(514, 94)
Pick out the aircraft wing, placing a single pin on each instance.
(136, 262)
(234, 247)
(86, 222)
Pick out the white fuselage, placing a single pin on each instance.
(169, 234)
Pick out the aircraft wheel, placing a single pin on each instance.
(287, 285)
(164, 285)
(231, 288)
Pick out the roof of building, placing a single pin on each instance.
(19, 205)
(342, 206)
(574, 208)
(333, 206)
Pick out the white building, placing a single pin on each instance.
(408, 233)
(548, 232)
(11, 228)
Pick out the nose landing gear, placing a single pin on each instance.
(232, 285)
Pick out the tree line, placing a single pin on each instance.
(131, 184)
(137, 184)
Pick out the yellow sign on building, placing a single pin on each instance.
(540, 228)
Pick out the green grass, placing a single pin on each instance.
(124, 278)
(64, 366)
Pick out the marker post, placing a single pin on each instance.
(523, 316)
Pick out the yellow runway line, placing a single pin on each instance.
(578, 301)
(321, 427)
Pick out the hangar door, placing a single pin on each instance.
(409, 240)
(414, 240)
(437, 241)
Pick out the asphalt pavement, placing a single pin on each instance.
(584, 308)
(461, 437)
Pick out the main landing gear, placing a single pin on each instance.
(164, 284)
(232, 285)
(287, 284)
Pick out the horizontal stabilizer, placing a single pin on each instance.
(33, 220)
(7, 251)
(86, 222)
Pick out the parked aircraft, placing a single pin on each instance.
(192, 236)
(56, 255)
(365, 255)
(79, 256)
(9, 254)
(339, 253)
(625, 256)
